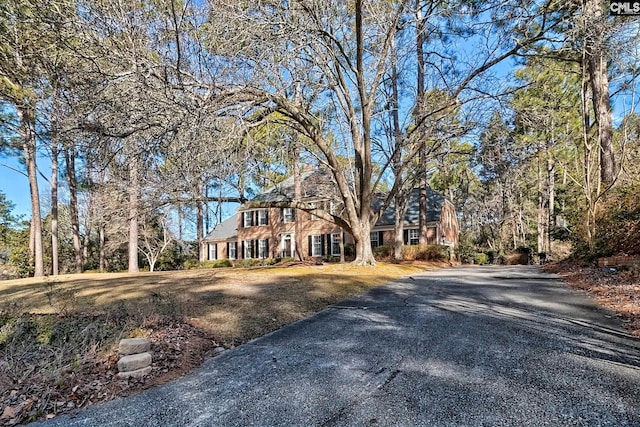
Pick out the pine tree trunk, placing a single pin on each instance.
(599, 81)
(70, 159)
(27, 120)
(54, 208)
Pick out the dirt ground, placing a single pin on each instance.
(58, 336)
(617, 289)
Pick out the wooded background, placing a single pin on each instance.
(152, 114)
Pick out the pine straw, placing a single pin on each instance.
(618, 291)
(58, 336)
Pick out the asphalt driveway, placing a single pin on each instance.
(468, 346)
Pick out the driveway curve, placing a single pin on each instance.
(466, 346)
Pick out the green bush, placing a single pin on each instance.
(480, 258)
(216, 263)
(245, 263)
(383, 252)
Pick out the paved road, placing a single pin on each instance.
(469, 346)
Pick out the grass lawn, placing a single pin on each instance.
(58, 335)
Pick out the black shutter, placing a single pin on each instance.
(241, 254)
(406, 237)
(322, 245)
(310, 246)
(281, 214)
(266, 216)
(380, 238)
(293, 214)
(228, 244)
(267, 248)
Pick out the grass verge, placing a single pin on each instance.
(58, 336)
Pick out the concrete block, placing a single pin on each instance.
(134, 362)
(138, 373)
(133, 346)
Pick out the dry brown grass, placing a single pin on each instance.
(58, 335)
(234, 305)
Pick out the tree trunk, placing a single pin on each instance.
(70, 159)
(134, 205)
(54, 208)
(102, 239)
(550, 200)
(364, 252)
(26, 119)
(422, 156)
(599, 81)
(202, 253)
(398, 240)
(541, 210)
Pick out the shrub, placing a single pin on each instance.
(480, 258)
(425, 252)
(383, 252)
(246, 263)
(217, 263)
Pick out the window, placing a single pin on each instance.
(414, 237)
(374, 239)
(232, 250)
(263, 218)
(335, 244)
(263, 248)
(316, 245)
(213, 251)
(247, 219)
(248, 249)
(287, 215)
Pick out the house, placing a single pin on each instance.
(281, 232)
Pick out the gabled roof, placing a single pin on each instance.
(227, 229)
(315, 184)
(435, 201)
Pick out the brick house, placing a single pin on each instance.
(271, 232)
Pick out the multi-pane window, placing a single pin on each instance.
(263, 219)
(414, 236)
(373, 236)
(248, 249)
(316, 245)
(263, 248)
(335, 244)
(287, 214)
(233, 246)
(247, 217)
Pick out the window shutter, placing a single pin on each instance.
(293, 214)
(228, 244)
(406, 237)
(241, 220)
(380, 239)
(266, 244)
(281, 214)
(241, 254)
(310, 245)
(322, 245)
(266, 216)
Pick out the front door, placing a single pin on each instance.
(287, 245)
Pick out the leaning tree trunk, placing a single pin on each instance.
(27, 119)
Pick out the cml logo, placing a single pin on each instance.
(624, 7)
